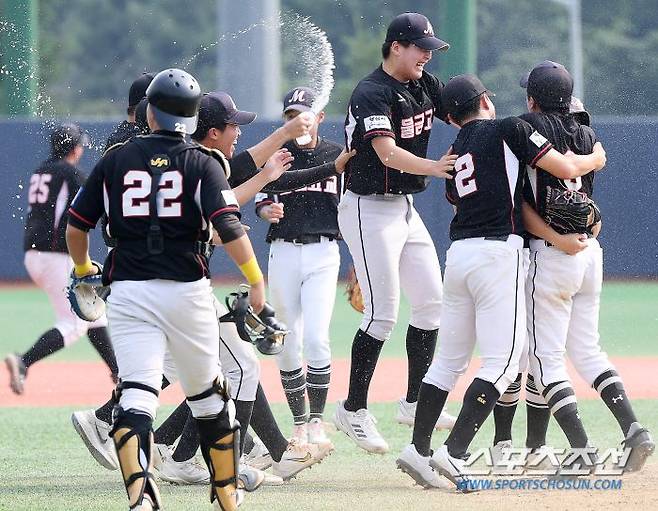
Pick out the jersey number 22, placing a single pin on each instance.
(135, 200)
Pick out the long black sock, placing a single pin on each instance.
(479, 400)
(420, 350)
(431, 401)
(611, 389)
(243, 410)
(189, 440)
(294, 386)
(100, 340)
(537, 415)
(562, 401)
(265, 426)
(104, 412)
(248, 441)
(505, 409)
(317, 387)
(173, 425)
(365, 353)
(49, 343)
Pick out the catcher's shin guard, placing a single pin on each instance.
(133, 439)
(220, 445)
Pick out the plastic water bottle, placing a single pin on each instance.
(305, 139)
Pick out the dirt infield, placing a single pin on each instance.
(88, 383)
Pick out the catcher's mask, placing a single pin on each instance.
(262, 330)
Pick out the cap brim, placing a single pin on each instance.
(298, 108)
(168, 122)
(241, 118)
(431, 43)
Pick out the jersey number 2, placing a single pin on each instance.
(464, 178)
(135, 200)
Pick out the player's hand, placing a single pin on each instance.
(342, 160)
(444, 166)
(600, 153)
(571, 244)
(278, 163)
(299, 125)
(257, 296)
(272, 212)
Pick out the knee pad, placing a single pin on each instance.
(219, 439)
(133, 438)
(141, 398)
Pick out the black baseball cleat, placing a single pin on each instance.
(641, 444)
(17, 373)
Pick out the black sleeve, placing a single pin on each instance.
(217, 198)
(435, 89)
(87, 206)
(370, 106)
(228, 227)
(243, 168)
(527, 144)
(294, 179)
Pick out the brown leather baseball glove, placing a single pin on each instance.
(353, 291)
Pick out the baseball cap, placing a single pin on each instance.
(138, 88)
(415, 28)
(549, 83)
(581, 115)
(218, 108)
(460, 90)
(65, 137)
(300, 99)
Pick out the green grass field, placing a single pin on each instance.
(629, 321)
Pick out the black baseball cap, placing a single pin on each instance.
(138, 88)
(549, 83)
(65, 137)
(415, 28)
(300, 99)
(218, 108)
(460, 90)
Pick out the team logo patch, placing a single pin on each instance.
(377, 122)
(229, 198)
(537, 139)
(160, 162)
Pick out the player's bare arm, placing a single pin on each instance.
(395, 157)
(277, 164)
(77, 241)
(571, 166)
(342, 159)
(569, 243)
(242, 254)
(295, 127)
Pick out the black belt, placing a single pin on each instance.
(306, 239)
(497, 238)
(197, 247)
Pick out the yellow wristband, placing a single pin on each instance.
(251, 271)
(84, 268)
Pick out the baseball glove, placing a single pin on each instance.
(568, 211)
(353, 291)
(87, 294)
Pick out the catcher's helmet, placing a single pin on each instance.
(174, 98)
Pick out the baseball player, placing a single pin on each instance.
(130, 127)
(51, 190)
(162, 194)
(388, 122)
(303, 271)
(484, 300)
(563, 291)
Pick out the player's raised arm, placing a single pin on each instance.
(395, 157)
(570, 165)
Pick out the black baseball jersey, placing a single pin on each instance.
(193, 192)
(488, 176)
(564, 133)
(51, 190)
(122, 133)
(312, 209)
(382, 106)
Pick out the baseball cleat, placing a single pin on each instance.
(300, 433)
(452, 468)
(239, 499)
(407, 413)
(316, 432)
(272, 480)
(641, 444)
(259, 457)
(498, 451)
(361, 427)
(298, 457)
(179, 472)
(418, 468)
(250, 478)
(96, 435)
(17, 373)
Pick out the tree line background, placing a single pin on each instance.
(90, 51)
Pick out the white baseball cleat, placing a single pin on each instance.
(179, 472)
(146, 505)
(360, 427)
(250, 478)
(298, 457)
(316, 432)
(300, 433)
(96, 435)
(259, 457)
(418, 468)
(17, 372)
(498, 451)
(451, 468)
(407, 413)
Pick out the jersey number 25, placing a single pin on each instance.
(464, 178)
(135, 200)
